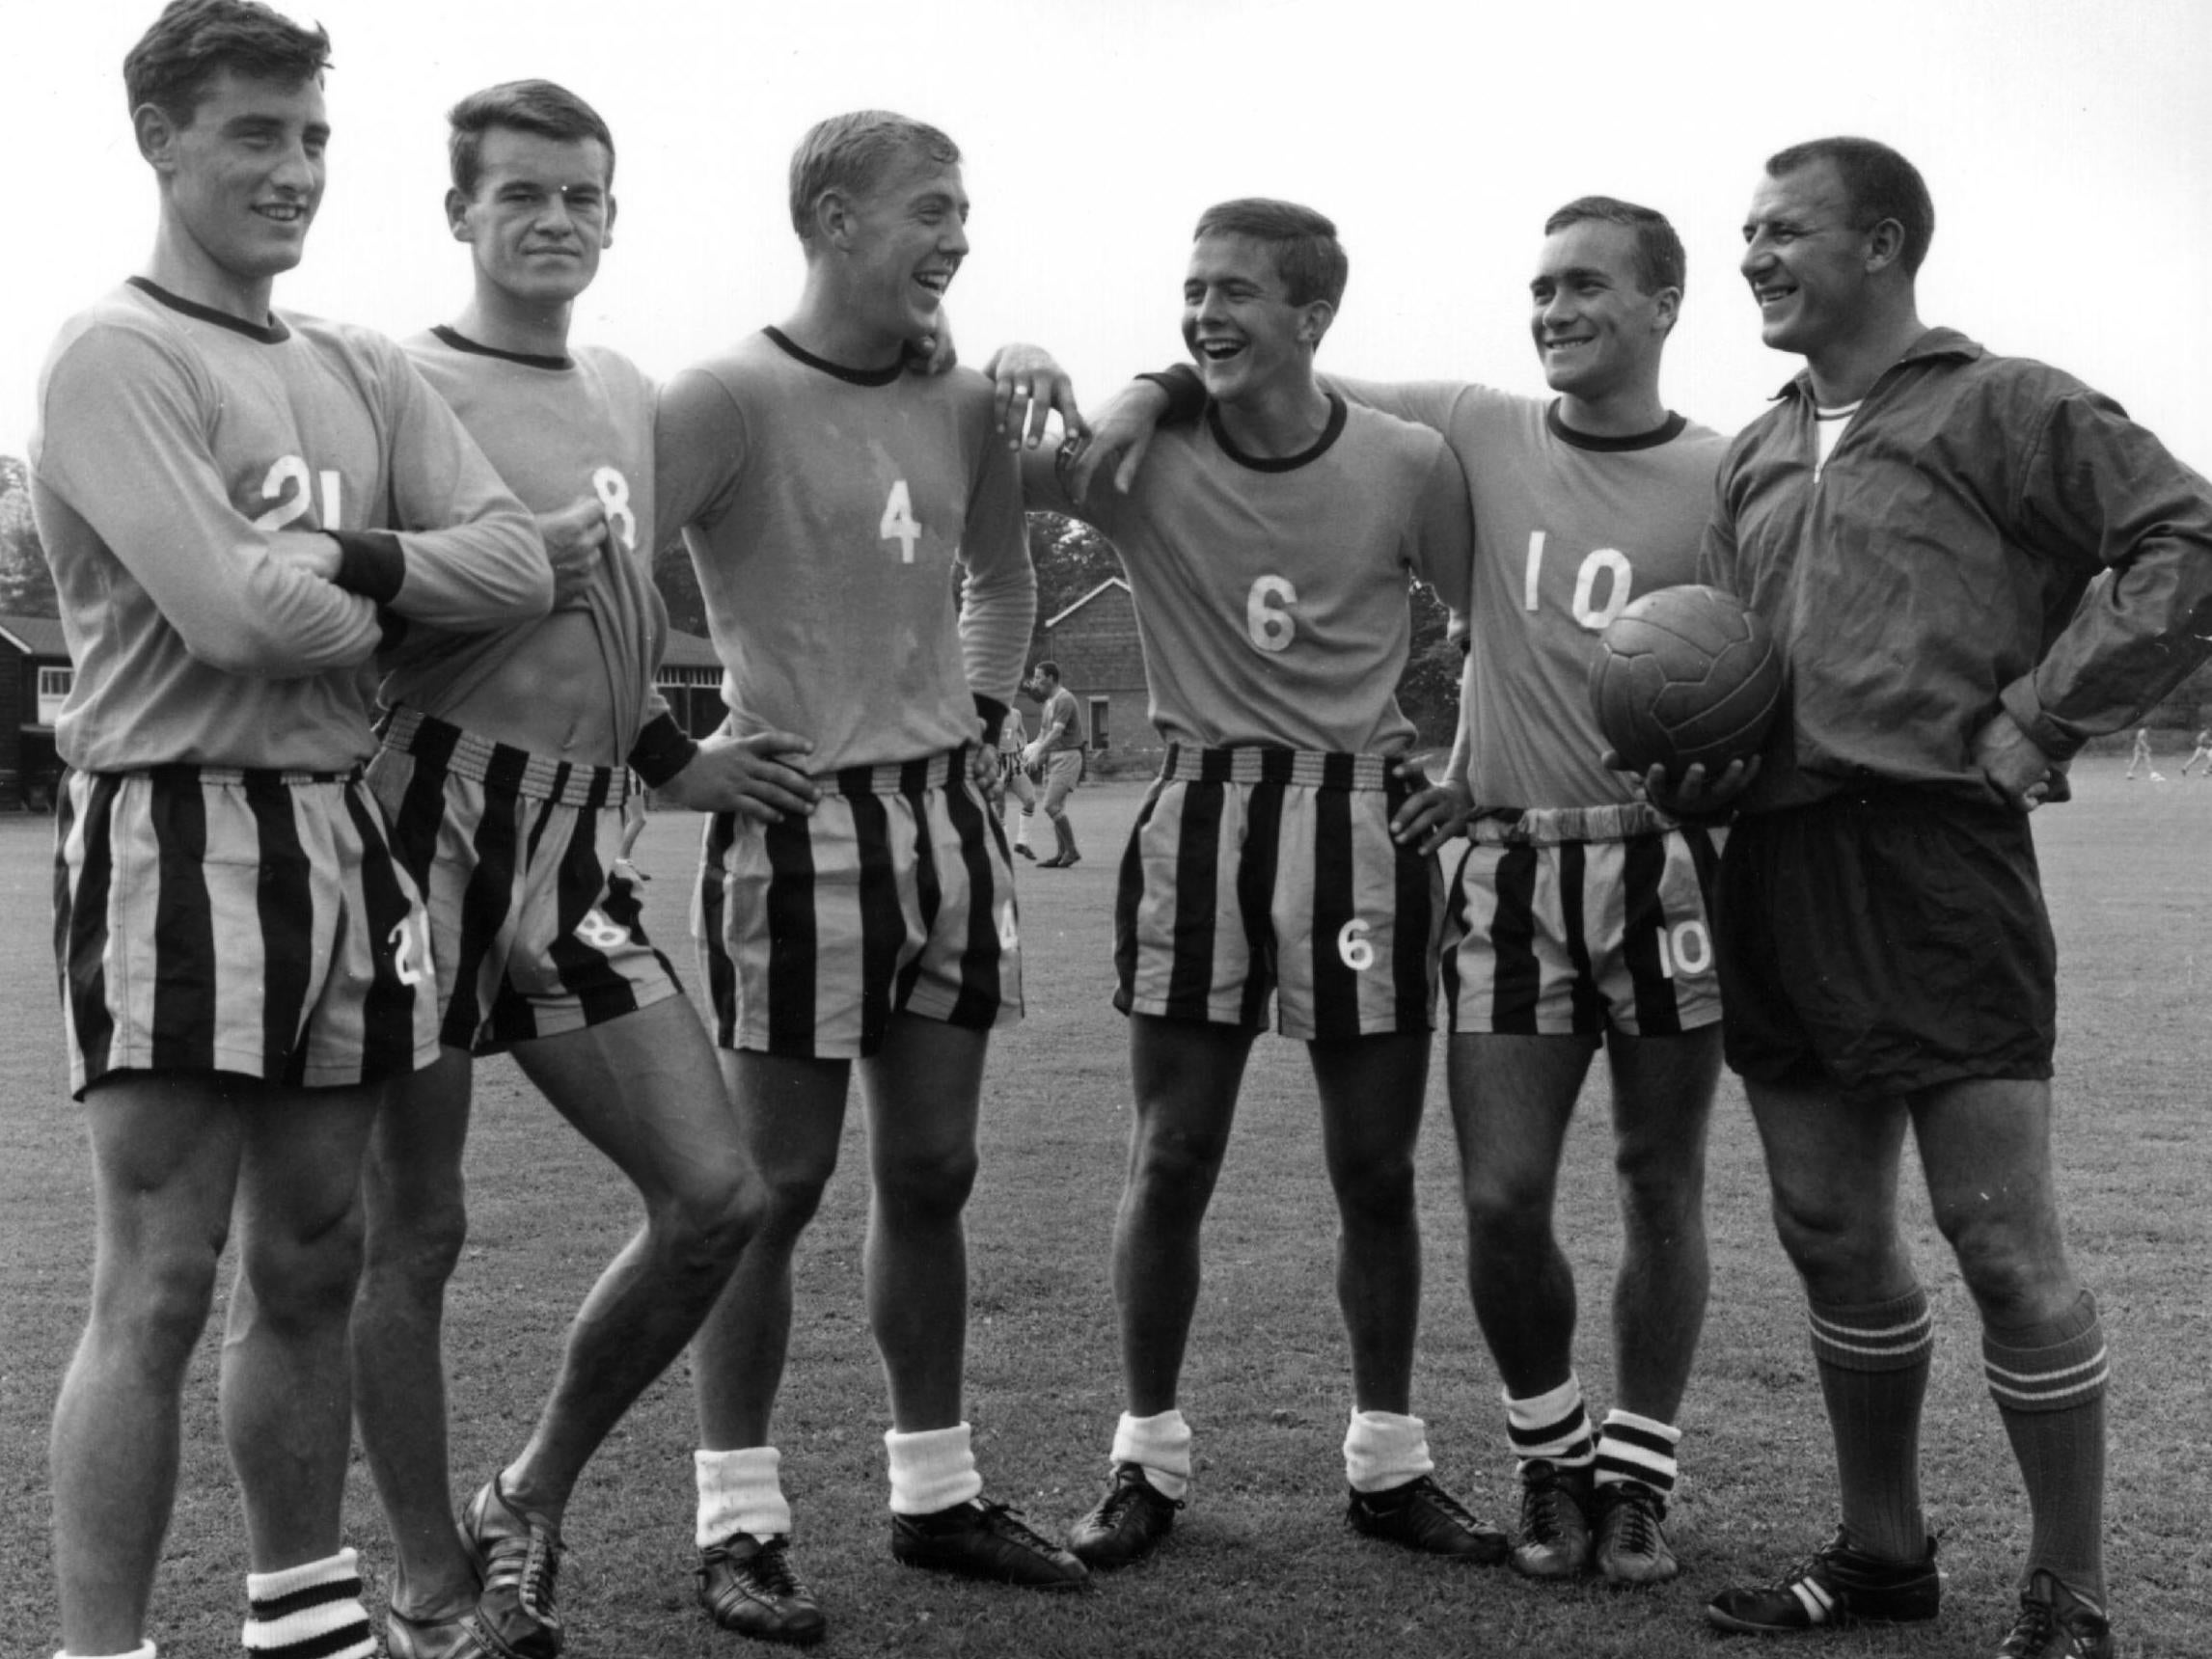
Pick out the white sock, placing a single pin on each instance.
(315, 1608)
(1162, 1445)
(144, 1651)
(1553, 1426)
(1383, 1450)
(931, 1469)
(1022, 827)
(739, 1492)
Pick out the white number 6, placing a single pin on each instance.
(1355, 946)
(1267, 618)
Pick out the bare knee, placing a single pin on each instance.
(1172, 1173)
(305, 1280)
(2012, 1262)
(415, 1241)
(1842, 1257)
(927, 1188)
(1376, 1192)
(156, 1305)
(708, 1222)
(1662, 1198)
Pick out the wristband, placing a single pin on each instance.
(369, 562)
(661, 751)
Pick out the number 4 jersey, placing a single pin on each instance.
(1272, 594)
(1569, 528)
(826, 509)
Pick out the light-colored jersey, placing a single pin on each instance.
(1270, 595)
(1569, 529)
(555, 429)
(826, 510)
(174, 442)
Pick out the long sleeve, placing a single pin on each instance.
(2102, 485)
(121, 446)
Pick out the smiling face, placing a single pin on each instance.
(902, 243)
(242, 179)
(540, 215)
(1807, 260)
(1243, 331)
(1596, 332)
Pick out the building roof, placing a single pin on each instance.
(689, 651)
(36, 635)
(1110, 582)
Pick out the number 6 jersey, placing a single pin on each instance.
(1272, 594)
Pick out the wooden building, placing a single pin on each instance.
(1095, 643)
(34, 676)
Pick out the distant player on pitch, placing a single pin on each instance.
(506, 770)
(1059, 746)
(827, 495)
(1268, 550)
(1578, 915)
(239, 504)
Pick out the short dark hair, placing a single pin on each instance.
(1881, 184)
(855, 153)
(1047, 666)
(1660, 262)
(1308, 257)
(542, 107)
(194, 40)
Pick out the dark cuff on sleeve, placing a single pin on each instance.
(391, 628)
(1185, 394)
(994, 712)
(661, 751)
(370, 564)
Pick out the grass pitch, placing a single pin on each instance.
(1261, 1564)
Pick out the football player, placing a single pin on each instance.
(240, 506)
(826, 496)
(505, 767)
(1268, 549)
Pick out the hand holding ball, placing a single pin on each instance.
(1685, 676)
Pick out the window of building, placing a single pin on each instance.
(1099, 736)
(53, 687)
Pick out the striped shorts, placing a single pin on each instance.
(535, 933)
(213, 919)
(1259, 874)
(895, 896)
(1580, 920)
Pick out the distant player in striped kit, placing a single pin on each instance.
(1268, 550)
(506, 768)
(827, 495)
(240, 506)
(1014, 775)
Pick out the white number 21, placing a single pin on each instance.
(899, 523)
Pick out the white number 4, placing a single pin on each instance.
(899, 523)
(1355, 946)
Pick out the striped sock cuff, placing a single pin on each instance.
(309, 1612)
(1636, 1448)
(1895, 1335)
(2052, 1367)
(1554, 1426)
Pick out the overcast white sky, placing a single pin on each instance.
(2067, 143)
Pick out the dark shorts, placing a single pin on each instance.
(1885, 943)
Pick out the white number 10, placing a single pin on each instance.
(898, 522)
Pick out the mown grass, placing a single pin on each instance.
(1260, 1564)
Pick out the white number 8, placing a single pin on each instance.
(1267, 619)
(1355, 946)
